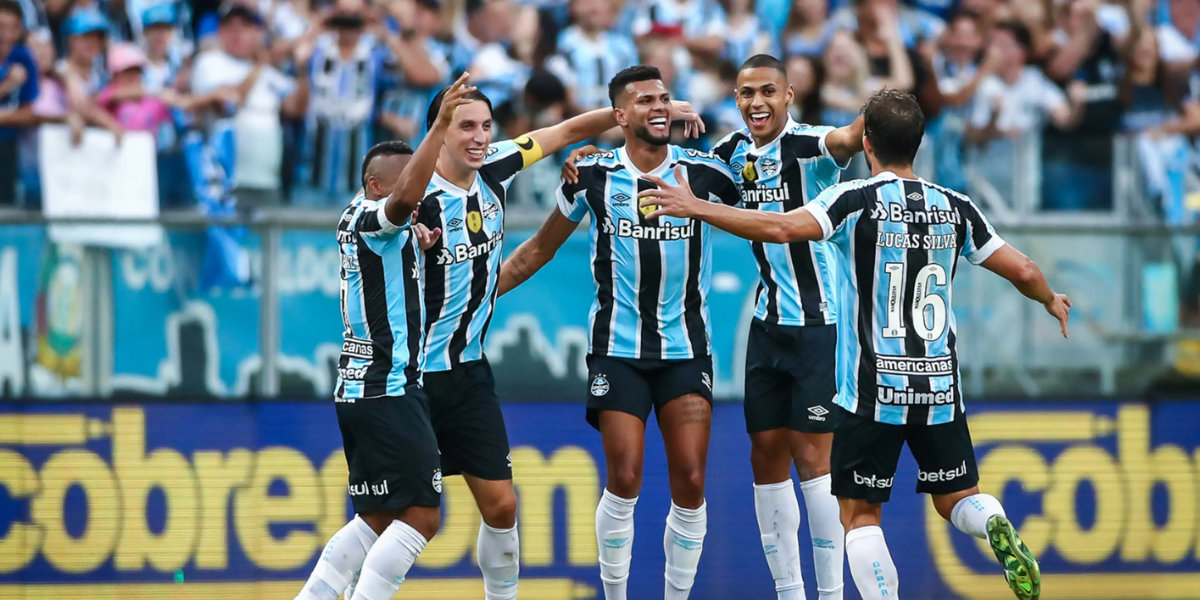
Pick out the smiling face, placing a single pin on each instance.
(645, 111)
(763, 95)
(469, 135)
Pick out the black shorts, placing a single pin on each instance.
(865, 453)
(791, 378)
(391, 451)
(637, 385)
(468, 422)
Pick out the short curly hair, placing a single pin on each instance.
(894, 124)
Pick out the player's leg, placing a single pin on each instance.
(768, 410)
(814, 417)
(683, 401)
(863, 466)
(474, 442)
(948, 473)
(619, 402)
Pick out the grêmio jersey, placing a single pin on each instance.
(463, 266)
(898, 242)
(796, 284)
(382, 314)
(652, 276)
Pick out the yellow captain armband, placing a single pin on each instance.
(531, 152)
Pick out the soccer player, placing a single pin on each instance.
(465, 200)
(649, 329)
(391, 450)
(898, 239)
(791, 353)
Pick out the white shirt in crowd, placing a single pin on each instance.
(1025, 105)
(257, 130)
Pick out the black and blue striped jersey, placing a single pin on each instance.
(463, 267)
(797, 283)
(651, 277)
(899, 241)
(382, 313)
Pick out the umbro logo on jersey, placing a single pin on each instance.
(454, 224)
(620, 200)
(915, 196)
(818, 413)
(737, 166)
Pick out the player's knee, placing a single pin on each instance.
(425, 520)
(690, 481)
(500, 513)
(624, 480)
(811, 461)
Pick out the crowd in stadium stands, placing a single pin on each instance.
(276, 101)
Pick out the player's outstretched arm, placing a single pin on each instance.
(532, 255)
(844, 142)
(756, 226)
(410, 189)
(1018, 269)
(595, 122)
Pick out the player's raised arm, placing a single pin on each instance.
(1024, 274)
(595, 122)
(844, 142)
(410, 189)
(756, 226)
(535, 252)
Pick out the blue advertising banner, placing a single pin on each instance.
(235, 500)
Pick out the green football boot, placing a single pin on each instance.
(1020, 567)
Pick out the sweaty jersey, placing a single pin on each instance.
(462, 268)
(796, 280)
(381, 304)
(899, 241)
(651, 276)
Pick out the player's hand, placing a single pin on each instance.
(693, 125)
(570, 173)
(669, 200)
(454, 98)
(425, 237)
(1060, 308)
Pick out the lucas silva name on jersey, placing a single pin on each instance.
(916, 241)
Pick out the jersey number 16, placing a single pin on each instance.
(923, 300)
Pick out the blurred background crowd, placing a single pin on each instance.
(275, 102)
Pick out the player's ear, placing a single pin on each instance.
(619, 115)
(790, 95)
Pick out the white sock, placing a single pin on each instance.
(342, 558)
(499, 552)
(614, 534)
(971, 514)
(388, 562)
(871, 564)
(349, 593)
(683, 542)
(828, 536)
(778, 515)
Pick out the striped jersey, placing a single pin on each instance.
(463, 267)
(899, 241)
(381, 304)
(651, 276)
(796, 284)
(338, 129)
(586, 65)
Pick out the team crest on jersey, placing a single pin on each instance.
(491, 211)
(474, 221)
(437, 480)
(769, 166)
(599, 385)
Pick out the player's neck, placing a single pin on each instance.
(459, 175)
(646, 157)
(776, 131)
(903, 172)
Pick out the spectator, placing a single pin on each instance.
(408, 90)
(808, 30)
(481, 48)
(1016, 101)
(699, 25)
(724, 114)
(881, 36)
(1179, 37)
(744, 35)
(83, 67)
(848, 80)
(19, 77)
(807, 76)
(958, 78)
(916, 27)
(164, 54)
(1151, 106)
(590, 53)
(237, 82)
(126, 97)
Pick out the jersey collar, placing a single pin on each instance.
(443, 183)
(659, 171)
(771, 144)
